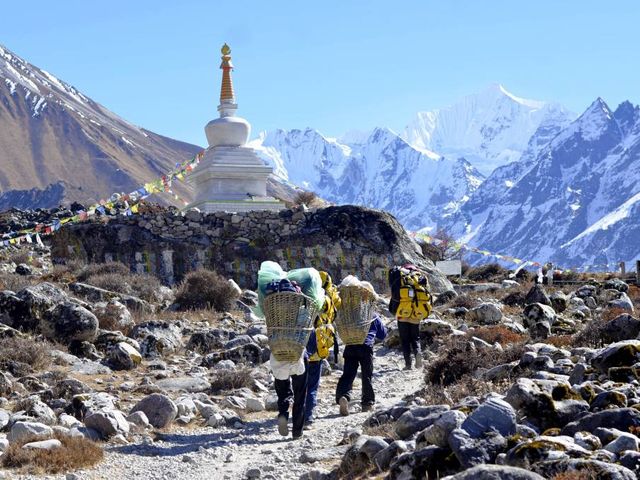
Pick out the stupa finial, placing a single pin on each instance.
(226, 90)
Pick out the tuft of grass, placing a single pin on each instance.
(465, 301)
(225, 380)
(116, 277)
(560, 341)
(15, 282)
(203, 289)
(305, 198)
(25, 350)
(489, 272)
(75, 453)
(498, 333)
(465, 387)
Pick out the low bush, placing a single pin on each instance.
(591, 335)
(206, 289)
(225, 380)
(24, 350)
(497, 333)
(116, 277)
(95, 269)
(465, 301)
(75, 453)
(459, 358)
(15, 282)
(305, 198)
(488, 272)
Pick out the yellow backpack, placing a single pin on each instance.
(414, 299)
(324, 341)
(331, 300)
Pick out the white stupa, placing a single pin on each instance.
(231, 177)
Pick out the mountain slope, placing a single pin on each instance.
(57, 145)
(489, 129)
(379, 170)
(574, 203)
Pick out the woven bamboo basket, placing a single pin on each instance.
(289, 317)
(354, 315)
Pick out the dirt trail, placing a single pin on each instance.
(208, 453)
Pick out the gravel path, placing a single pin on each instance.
(208, 453)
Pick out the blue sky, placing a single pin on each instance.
(331, 65)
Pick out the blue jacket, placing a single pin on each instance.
(377, 331)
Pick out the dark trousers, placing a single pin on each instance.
(409, 339)
(295, 387)
(357, 356)
(313, 383)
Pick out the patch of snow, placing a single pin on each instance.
(12, 86)
(508, 183)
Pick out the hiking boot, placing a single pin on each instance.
(344, 406)
(418, 360)
(296, 435)
(283, 425)
(407, 366)
(368, 407)
(308, 424)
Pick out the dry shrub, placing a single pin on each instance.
(355, 466)
(586, 474)
(15, 282)
(490, 271)
(116, 277)
(384, 430)
(75, 453)
(592, 335)
(609, 314)
(225, 380)
(498, 333)
(560, 341)
(465, 387)
(459, 358)
(25, 350)
(465, 301)
(206, 289)
(19, 257)
(305, 198)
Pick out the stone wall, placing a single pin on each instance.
(341, 240)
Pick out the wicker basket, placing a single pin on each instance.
(289, 317)
(355, 314)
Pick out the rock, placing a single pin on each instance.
(544, 448)
(616, 284)
(631, 460)
(69, 421)
(475, 451)
(559, 301)
(255, 405)
(249, 353)
(210, 340)
(384, 457)
(34, 302)
(372, 446)
(623, 327)
(21, 430)
(69, 387)
(494, 414)
(537, 294)
(113, 316)
(96, 294)
(43, 445)
(417, 419)
(619, 354)
(157, 338)
(107, 422)
(123, 356)
(624, 303)
(434, 327)
(626, 441)
(588, 441)
(39, 411)
(4, 444)
(445, 297)
(587, 467)
(587, 291)
(429, 462)
(495, 472)
(608, 399)
(620, 418)
(249, 297)
(252, 472)
(160, 409)
(4, 418)
(438, 433)
(6, 385)
(67, 322)
(184, 384)
(322, 454)
(539, 318)
(485, 314)
(23, 269)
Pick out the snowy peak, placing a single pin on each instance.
(489, 128)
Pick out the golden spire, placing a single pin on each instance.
(226, 90)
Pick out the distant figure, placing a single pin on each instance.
(540, 278)
(360, 356)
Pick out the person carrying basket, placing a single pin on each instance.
(358, 327)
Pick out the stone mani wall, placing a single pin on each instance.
(341, 240)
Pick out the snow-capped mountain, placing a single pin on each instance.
(379, 170)
(576, 202)
(489, 129)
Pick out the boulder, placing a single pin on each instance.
(445, 297)
(625, 441)
(249, 353)
(623, 327)
(159, 409)
(576, 467)
(21, 430)
(67, 322)
(138, 419)
(428, 462)
(210, 340)
(108, 422)
(438, 433)
(123, 356)
(623, 302)
(34, 302)
(544, 448)
(113, 315)
(475, 451)
(485, 314)
(417, 419)
(586, 291)
(157, 338)
(619, 418)
(184, 384)
(537, 294)
(559, 301)
(495, 472)
(43, 445)
(616, 284)
(538, 318)
(372, 447)
(494, 414)
(620, 354)
(383, 458)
